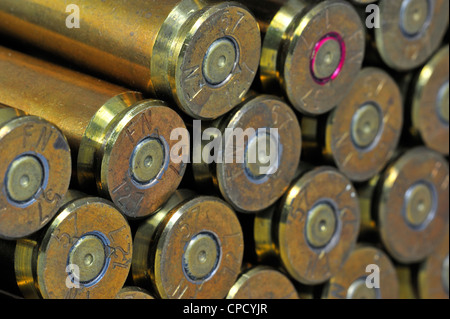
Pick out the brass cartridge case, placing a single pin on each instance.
(252, 170)
(351, 281)
(85, 252)
(120, 142)
(191, 248)
(427, 103)
(313, 228)
(35, 170)
(312, 50)
(262, 282)
(362, 133)
(407, 205)
(199, 55)
(409, 33)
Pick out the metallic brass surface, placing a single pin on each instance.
(191, 248)
(412, 204)
(168, 48)
(429, 108)
(133, 293)
(433, 273)
(363, 131)
(35, 172)
(262, 282)
(255, 173)
(350, 281)
(291, 234)
(312, 50)
(88, 232)
(410, 31)
(111, 131)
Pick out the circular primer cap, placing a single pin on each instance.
(413, 204)
(35, 173)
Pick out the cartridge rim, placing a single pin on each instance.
(401, 49)
(358, 155)
(308, 264)
(354, 274)
(262, 282)
(29, 140)
(403, 240)
(89, 216)
(320, 95)
(146, 120)
(205, 99)
(238, 184)
(430, 103)
(203, 213)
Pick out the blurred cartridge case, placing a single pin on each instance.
(35, 170)
(259, 151)
(85, 252)
(120, 143)
(313, 228)
(357, 279)
(312, 50)
(191, 248)
(362, 133)
(133, 293)
(407, 205)
(433, 273)
(200, 55)
(427, 103)
(262, 282)
(409, 32)
(363, 2)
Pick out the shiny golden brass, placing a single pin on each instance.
(361, 134)
(429, 104)
(433, 273)
(263, 165)
(262, 282)
(200, 55)
(313, 228)
(35, 172)
(312, 50)
(120, 142)
(351, 281)
(191, 248)
(408, 204)
(85, 252)
(410, 31)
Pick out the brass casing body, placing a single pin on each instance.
(152, 46)
(103, 123)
